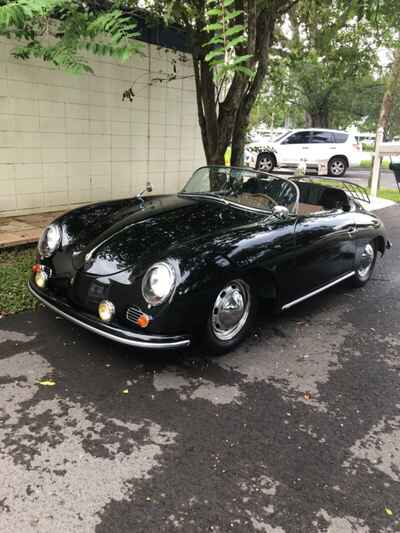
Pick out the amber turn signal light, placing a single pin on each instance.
(143, 321)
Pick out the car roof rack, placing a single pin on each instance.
(357, 192)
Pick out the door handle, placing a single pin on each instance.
(351, 231)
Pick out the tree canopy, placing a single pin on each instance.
(311, 60)
(60, 31)
(329, 70)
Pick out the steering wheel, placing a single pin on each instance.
(263, 195)
(259, 195)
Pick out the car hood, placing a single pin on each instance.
(129, 235)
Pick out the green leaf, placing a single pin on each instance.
(215, 11)
(245, 70)
(228, 3)
(240, 59)
(219, 52)
(214, 26)
(236, 41)
(235, 29)
(215, 40)
(124, 54)
(233, 14)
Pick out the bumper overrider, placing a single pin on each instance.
(112, 332)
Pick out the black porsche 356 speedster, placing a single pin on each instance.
(159, 271)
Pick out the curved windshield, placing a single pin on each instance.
(245, 187)
(281, 136)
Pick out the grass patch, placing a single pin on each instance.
(367, 163)
(15, 269)
(389, 194)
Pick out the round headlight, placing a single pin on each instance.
(50, 240)
(41, 279)
(158, 283)
(106, 310)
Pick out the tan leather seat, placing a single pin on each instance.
(308, 209)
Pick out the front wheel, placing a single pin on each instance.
(337, 167)
(231, 317)
(366, 265)
(265, 162)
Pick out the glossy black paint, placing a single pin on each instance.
(106, 249)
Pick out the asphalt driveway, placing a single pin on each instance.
(297, 431)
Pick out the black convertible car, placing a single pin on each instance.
(159, 271)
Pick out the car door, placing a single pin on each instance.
(294, 148)
(322, 146)
(324, 249)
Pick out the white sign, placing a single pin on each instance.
(322, 168)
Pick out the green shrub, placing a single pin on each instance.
(15, 269)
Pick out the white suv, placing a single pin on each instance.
(338, 149)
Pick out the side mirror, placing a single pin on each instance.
(149, 187)
(281, 212)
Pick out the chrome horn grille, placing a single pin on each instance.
(133, 313)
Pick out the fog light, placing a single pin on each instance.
(41, 279)
(106, 310)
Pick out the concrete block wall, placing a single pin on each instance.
(67, 140)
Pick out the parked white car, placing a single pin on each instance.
(338, 149)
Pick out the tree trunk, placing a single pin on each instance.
(390, 92)
(216, 120)
(265, 29)
(307, 119)
(319, 118)
(216, 129)
(226, 122)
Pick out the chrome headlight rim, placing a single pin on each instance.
(148, 293)
(47, 247)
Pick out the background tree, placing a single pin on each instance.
(307, 59)
(231, 47)
(333, 66)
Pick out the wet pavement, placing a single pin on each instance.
(296, 431)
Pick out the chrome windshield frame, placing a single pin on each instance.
(293, 211)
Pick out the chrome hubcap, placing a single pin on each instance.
(337, 168)
(367, 260)
(265, 163)
(230, 311)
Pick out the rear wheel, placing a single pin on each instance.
(337, 167)
(231, 317)
(366, 265)
(266, 162)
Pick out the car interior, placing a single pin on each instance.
(315, 198)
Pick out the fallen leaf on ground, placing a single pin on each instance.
(388, 511)
(47, 382)
(307, 395)
(125, 391)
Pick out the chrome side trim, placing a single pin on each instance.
(136, 343)
(317, 291)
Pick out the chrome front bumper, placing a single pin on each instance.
(117, 334)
